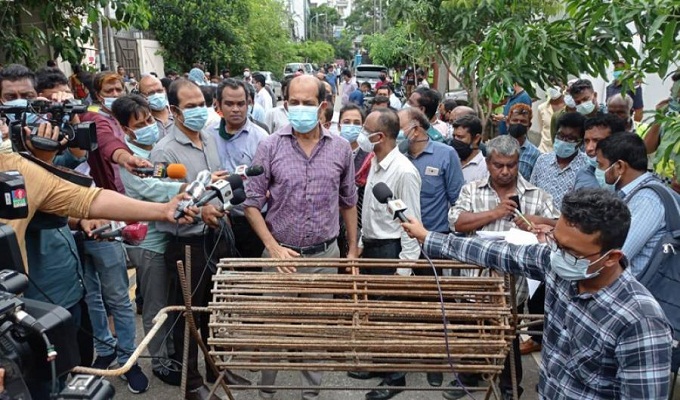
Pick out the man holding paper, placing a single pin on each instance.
(500, 202)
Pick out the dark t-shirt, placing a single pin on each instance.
(109, 139)
(638, 103)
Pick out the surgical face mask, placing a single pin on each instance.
(586, 107)
(158, 101)
(603, 173)
(569, 101)
(350, 132)
(463, 149)
(107, 102)
(195, 118)
(602, 180)
(616, 74)
(303, 118)
(592, 161)
(517, 130)
(246, 74)
(564, 149)
(364, 142)
(570, 268)
(250, 109)
(147, 135)
(31, 118)
(554, 93)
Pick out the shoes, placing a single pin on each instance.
(363, 375)
(435, 378)
(169, 376)
(201, 394)
(104, 362)
(137, 381)
(529, 346)
(386, 394)
(456, 392)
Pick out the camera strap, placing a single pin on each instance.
(63, 173)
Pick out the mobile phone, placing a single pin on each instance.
(515, 198)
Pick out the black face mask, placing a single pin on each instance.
(463, 149)
(383, 78)
(517, 130)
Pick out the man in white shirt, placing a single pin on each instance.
(386, 90)
(467, 135)
(381, 235)
(262, 97)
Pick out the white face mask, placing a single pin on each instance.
(364, 142)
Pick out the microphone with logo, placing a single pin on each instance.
(395, 207)
(221, 189)
(195, 190)
(163, 170)
(245, 171)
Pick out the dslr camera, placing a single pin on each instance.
(82, 136)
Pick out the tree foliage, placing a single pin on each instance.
(365, 17)
(321, 21)
(315, 52)
(397, 46)
(64, 26)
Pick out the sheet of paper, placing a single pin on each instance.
(533, 285)
(492, 235)
(520, 237)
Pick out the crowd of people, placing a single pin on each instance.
(582, 182)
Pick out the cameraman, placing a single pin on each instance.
(16, 88)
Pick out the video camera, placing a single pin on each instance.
(31, 329)
(82, 135)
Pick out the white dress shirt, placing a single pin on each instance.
(475, 169)
(264, 99)
(402, 177)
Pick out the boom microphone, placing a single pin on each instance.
(385, 196)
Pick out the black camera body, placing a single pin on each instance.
(82, 136)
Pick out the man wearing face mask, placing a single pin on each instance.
(308, 182)
(152, 89)
(580, 98)
(546, 110)
(186, 143)
(605, 335)
(154, 279)
(623, 161)
(381, 235)
(517, 95)
(555, 172)
(596, 130)
(467, 135)
(519, 122)
(616, 87)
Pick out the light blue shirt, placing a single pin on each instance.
(149, 189)
(549, 176)
(585, 178)
(259, 113)
(528, 154)
(647, 223)
(442, 178)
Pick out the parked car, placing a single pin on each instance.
(271, 81)
(292, 68)
(369, 73)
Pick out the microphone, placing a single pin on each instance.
(163, 170)
(238, 197)
(246, 171)
(132, 234)
(195, 191)
(222, 189)
(385, 196)
(176, 171)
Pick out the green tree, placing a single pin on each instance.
(366, 18)
(321, 21)
(315, 52)
(397, 46)
(64, 26)
(267, 36)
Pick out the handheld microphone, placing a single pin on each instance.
(164, 170)
(238, 197)
(221, 189)
(195, 191)
(245, 171)
(132, 234)
(385, 196)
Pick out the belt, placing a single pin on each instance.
(313, 249)
(379, 242)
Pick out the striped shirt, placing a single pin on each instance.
(549, 176)
(612, 344)
(528, 154)
(305, 193)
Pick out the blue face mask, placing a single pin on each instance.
(107, 102)
(195, 118)
(616, 74)
(303, 118)
(592, 161)
(158, 101)
(147, 135)
(569, 268)
(350, 132)
(564, 149)
(600, 176)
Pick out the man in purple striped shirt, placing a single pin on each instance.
(309, 175)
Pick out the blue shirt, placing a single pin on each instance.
(647, 222)
(521, 97)
(357, 97)
(442, 178)
(259, 113)
(585, 178)
(52, 255)
(549, 176)
(331, 78)
(528, 154)
(611, 344)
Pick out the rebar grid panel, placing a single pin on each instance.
(263, 320)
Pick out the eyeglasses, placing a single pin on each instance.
(563, 138)
(568, 257)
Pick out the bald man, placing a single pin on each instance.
(309, 175)
(152, 89)
(459, 112)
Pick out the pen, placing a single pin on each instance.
(519, 214)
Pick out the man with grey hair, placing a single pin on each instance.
(494, 203)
